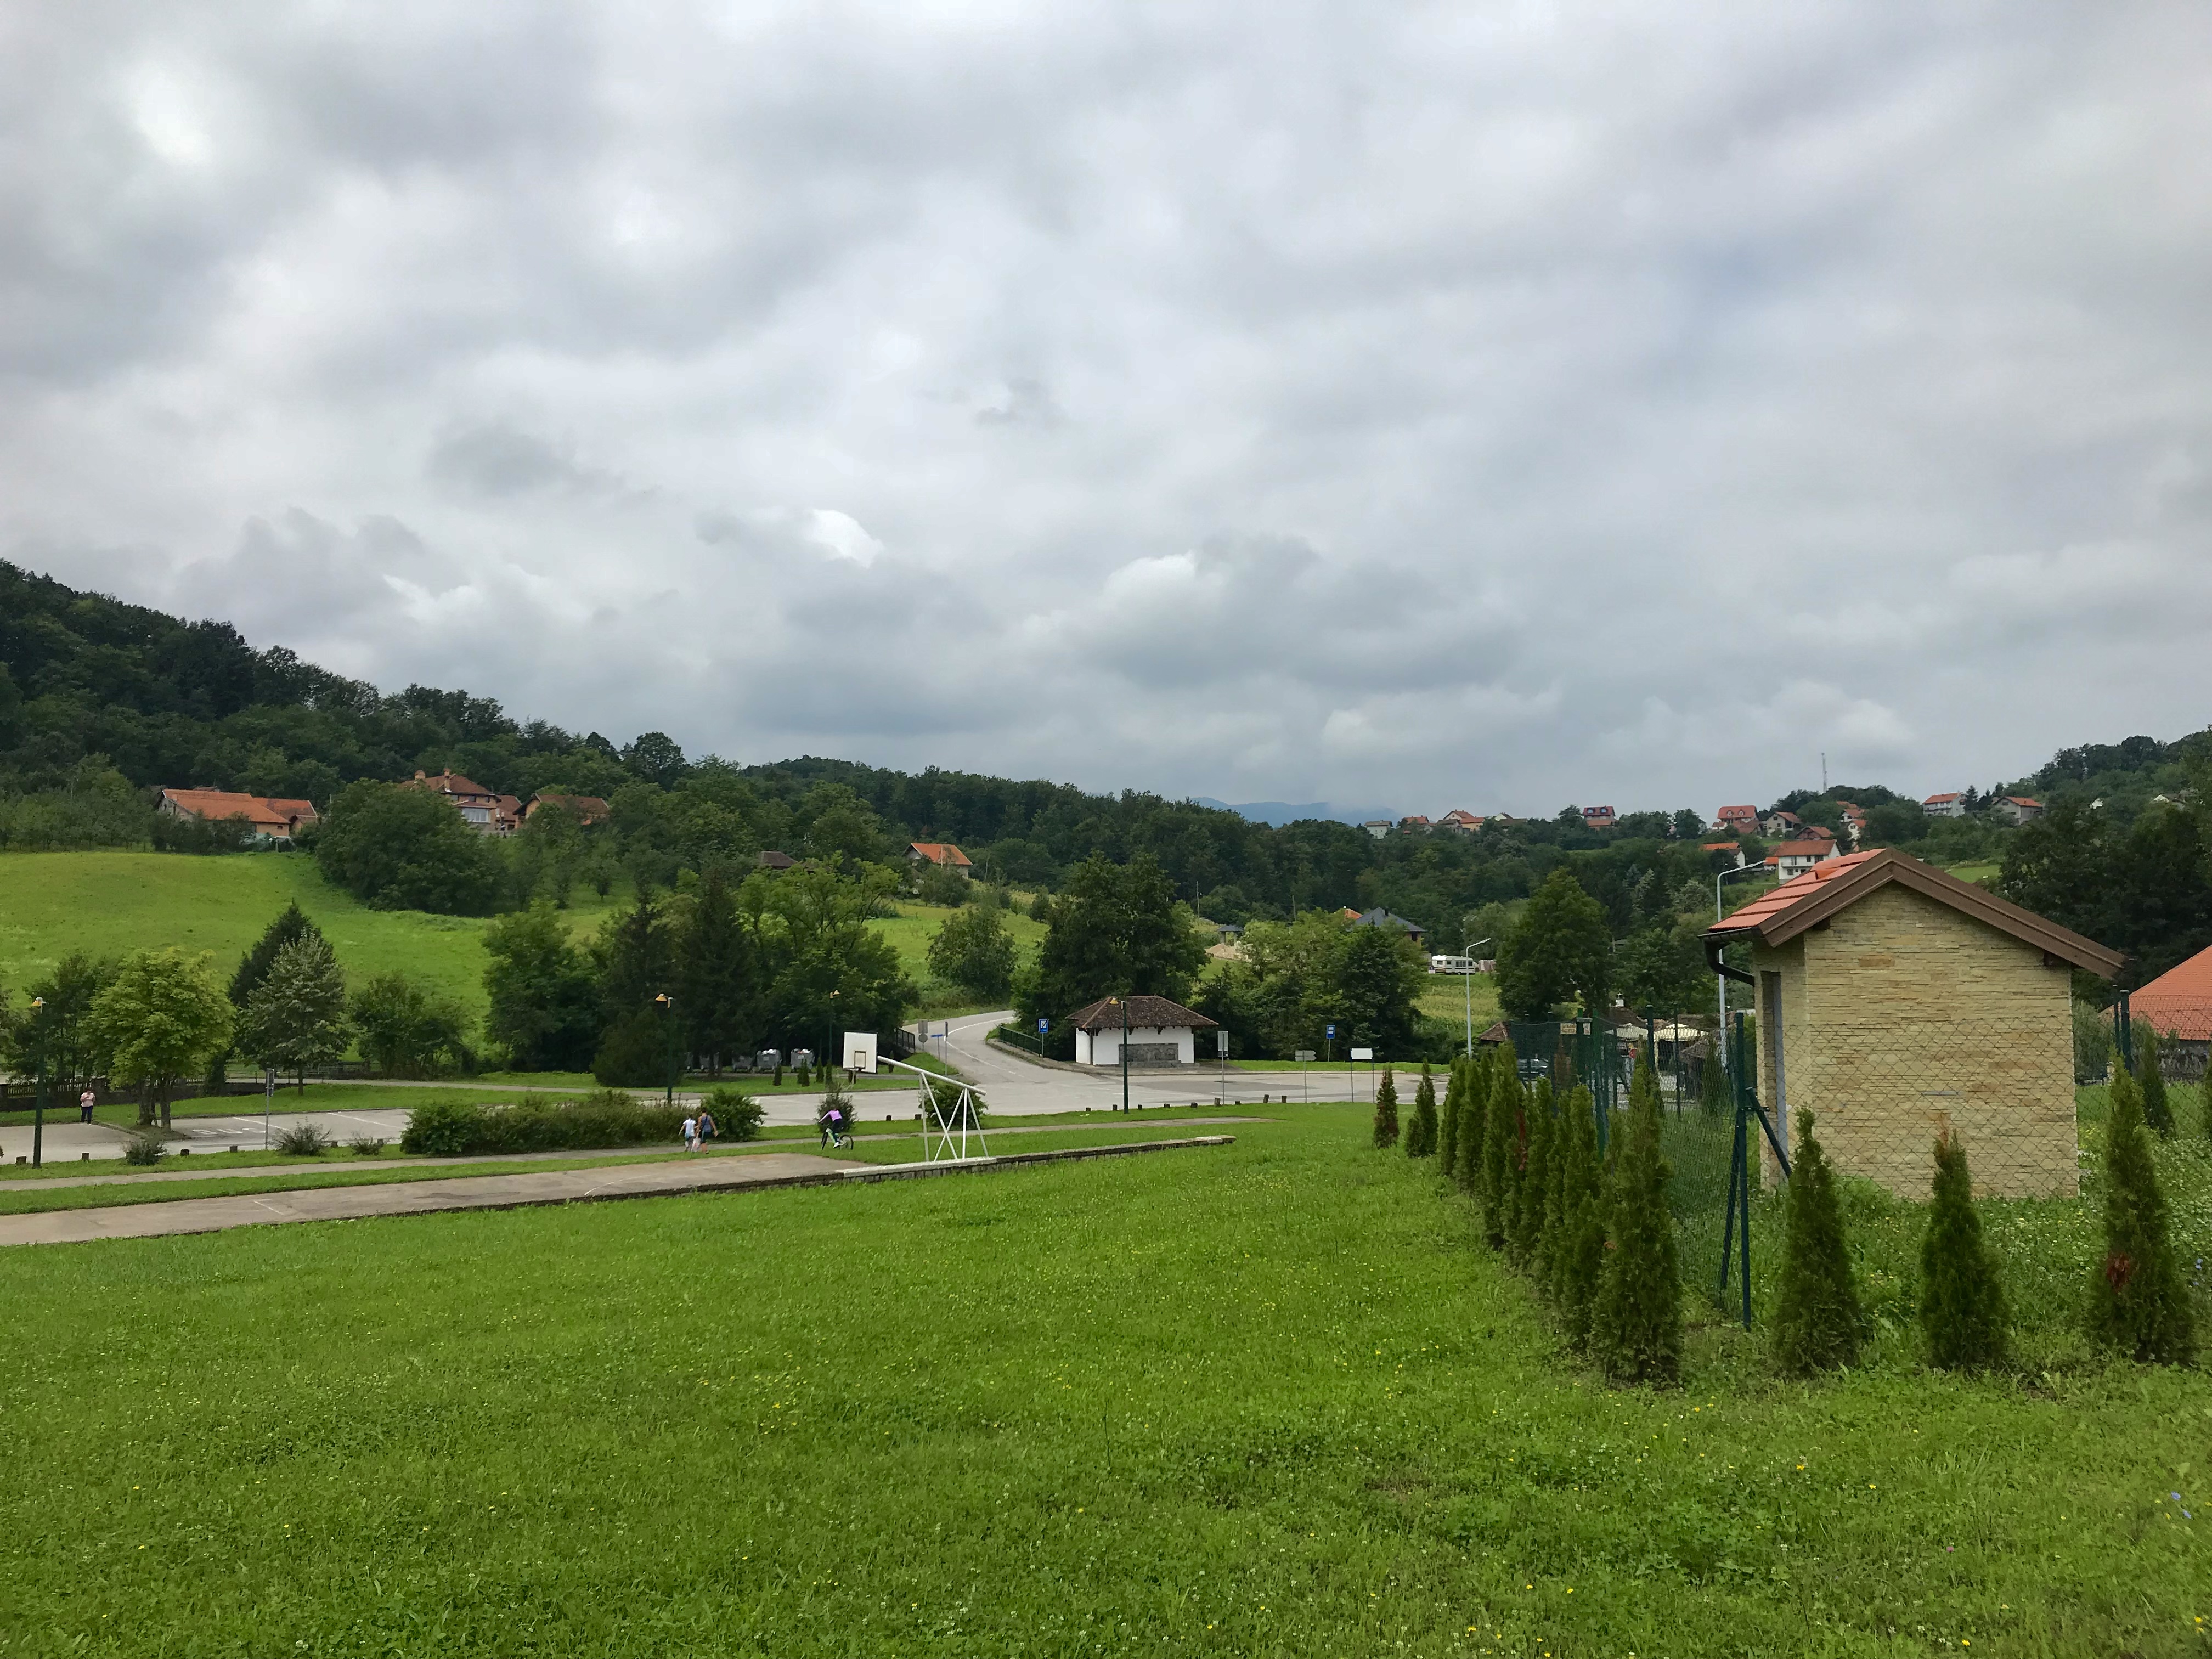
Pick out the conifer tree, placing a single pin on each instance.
(2137, 1302)
(1421, 1133)
(1501, 1145)
(1527, 1234)
(2157, 1111)
(1713, 1095)
(1448, 1119)
(1818, 1322)
(1636, 1321)
(1962, 1301)
(1386, 1112)
(295, 1019)
(2206, 1092)
(1474, 1101)
(1578, 1245)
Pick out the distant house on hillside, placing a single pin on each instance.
(772, 859)
(1731, 849)
(1382, 918)
(1414, 826)
(1459, 818)
(942, 853)
(1780, 823)
(1949, 805)
(272, 819)
(484, 811)
(1737, 820)
(1598, 817)
(1378, 827)
(2178, 1006)
(1792, 858)
(2019, 809)
(589, 809)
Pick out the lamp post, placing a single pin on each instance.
(1122, 1004)
(1467, 952)
(668, 1018)
(1720, 981)
(832, 1047)
(39, 1096)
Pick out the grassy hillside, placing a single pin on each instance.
(109, 903)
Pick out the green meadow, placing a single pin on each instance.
(1272, 1398)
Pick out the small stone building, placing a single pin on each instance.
(1161, 1032)
(1893, 999)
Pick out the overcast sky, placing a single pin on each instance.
(1496, 406)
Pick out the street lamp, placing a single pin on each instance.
(668, 1018)
(1122, 1004)
(39, 1095)
(1467, 952)
(831, 1047)
(1720, 981)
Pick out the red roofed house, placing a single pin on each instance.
(1781, 823)
(1460, 819)
(1160, 1032)
(2019, 809)
(485, 811)
(1949, 805)
(2178, 1006)
(1793, 858)
(1597, 817)
(272, 818)
(942, 853)
(1895, 1000)
(1737, 820)
(589, 809)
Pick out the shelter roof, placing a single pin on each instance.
(1145, 1013)
(1834, 884)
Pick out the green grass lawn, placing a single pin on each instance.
(1264, 1399)
(910, 931)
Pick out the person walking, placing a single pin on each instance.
(691, 1134)
(84, 1104)
(706, 1128)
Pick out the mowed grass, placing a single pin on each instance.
(915, 924)
(1264, 1399)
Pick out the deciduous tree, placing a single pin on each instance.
(158, 1020)
(1561, 949)
(295, 1019)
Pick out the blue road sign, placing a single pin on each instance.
(1332, 1033)
(1044, 1026)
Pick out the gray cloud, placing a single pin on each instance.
(1491, 409)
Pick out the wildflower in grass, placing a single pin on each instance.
(1818, 1322)
(1526, 1237)
(2137, 1301)
(1636, 1324)
(1962, 1301)
(1447, 1117)
(1421, 1133)
(1578, 1248)
(1386, 1112)
(1501, 1145)
(2150, 1080)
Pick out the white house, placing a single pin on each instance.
(1161, 1033)
(1949, 805)
(1378, 827)
(2019, 809)
(1793, 858)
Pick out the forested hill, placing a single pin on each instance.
(101, 701)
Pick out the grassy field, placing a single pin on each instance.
(1445, 997)
(910, 931)
(1264, 1399)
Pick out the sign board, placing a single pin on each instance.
(1221, 1043)
(1331, 1034)
(1044, 1026)
(861, 1052)
(1363, 1053)
(1305, 1056)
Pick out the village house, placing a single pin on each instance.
(1381, 918)
(2018, 809)
(589, 809)
(1949, 805)
(772, 859)
(1597, 817)
(2178, 1006)
(1733, 850)
(272, 819)
(1415, 825)
(1781, 823)
(1896, 1001)
(942, 853)
(1460, 819)
(1737, 820)
(1378, 827)
(1793, 858)
(485, 811)
(1159, 1032)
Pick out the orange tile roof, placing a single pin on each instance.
(2178, 1002)
(942, 852)
(1788, 894)
(262, 811)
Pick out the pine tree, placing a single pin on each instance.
(1636, 1321)
(1962, 1302)
(1421, 1134)
(1448, 1119)
(296, 1017)
(1578, 1248)
(2157, 1111)
(1818, 1322)
(1475, 1101)
(1713, 1098)
(291, 923)
(717, 977)
(1501, 1145)
(2137, 1303)
(1527, 1234)
(1386, 1112)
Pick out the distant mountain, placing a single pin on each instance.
(1281, 812)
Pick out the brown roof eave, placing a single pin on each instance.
(1888, 866)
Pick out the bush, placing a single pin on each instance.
(1386, 1112)
(1578, 1240)
(1448, 1120)
(2150, 1081)
(304, 1141)
(1636, 1321)
(368, 1146)
(1421, 1134)
(1501, 1145)
(1818, 1322)
(1524, 1237)
(144, 1149)
(1962, 1303)
(608, 1117)
(2137, 1303)
(634, 1052)
(737, 1114)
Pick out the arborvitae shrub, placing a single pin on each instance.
(1817, 1322)
(1578, 1240)
(1962, 1301)
(1713, 1095)
(1501, 1145)
(1421, 1134)
(1527, 1237)
(1386, 1112)
(2137, 1303)
(2204, 1090)
(2157, 1111)
(1448, 1119)
(1636, 1322)
(1475, 1101)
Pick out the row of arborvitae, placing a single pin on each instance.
(2137, 1303)
(1594, 1235)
